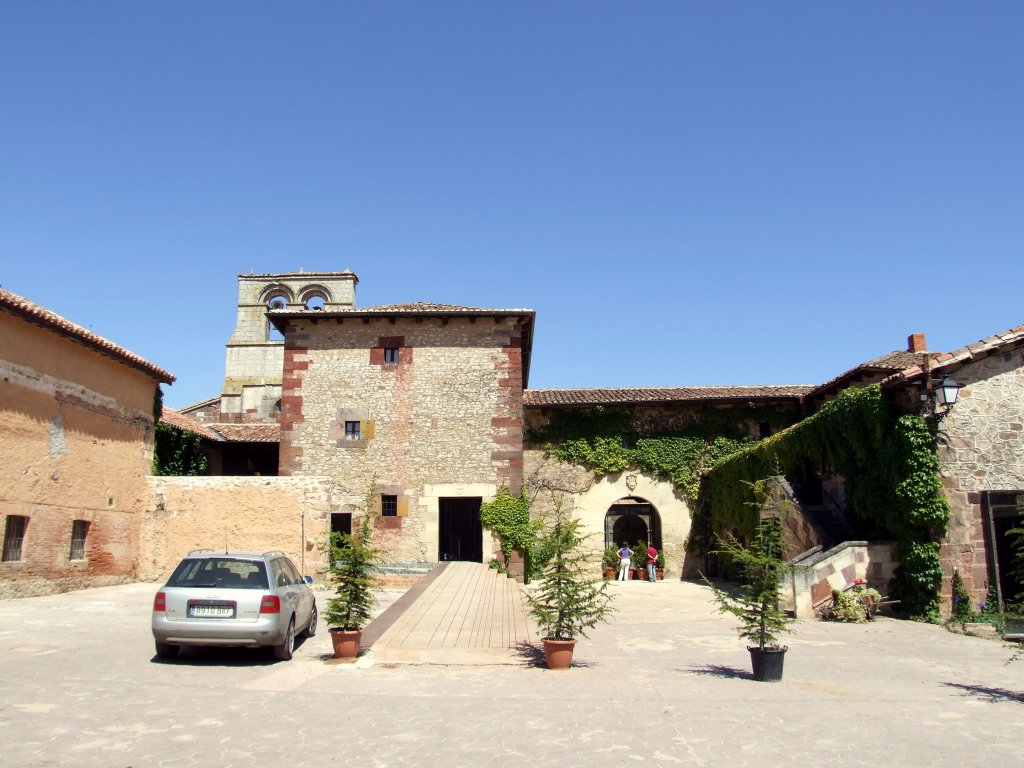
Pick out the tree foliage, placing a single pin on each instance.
(756, 603)
(177, 452)
(567, 601)
(352, 571)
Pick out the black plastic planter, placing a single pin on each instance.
(767, 663)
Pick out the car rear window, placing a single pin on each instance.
(227, 572)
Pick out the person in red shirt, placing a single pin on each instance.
(652, 558)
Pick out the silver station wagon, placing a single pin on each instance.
(233, 599)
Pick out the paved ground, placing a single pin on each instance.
(665, 684)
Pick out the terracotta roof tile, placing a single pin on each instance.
(639, 395)
(177, 420)
(33, 313)
(994, 344)
(248, 433)
(880, 367)
(201, 404)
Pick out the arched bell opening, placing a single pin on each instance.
(632, 519)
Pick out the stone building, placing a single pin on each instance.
(981, 458)
(422, 400)
(631, 506)
(255, 351)
(432, 403)
(76, 418)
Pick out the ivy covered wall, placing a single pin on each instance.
(887, 459)
(892, 485)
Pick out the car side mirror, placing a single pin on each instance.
(308, 579)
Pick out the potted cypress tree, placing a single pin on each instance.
(756, 603)
(566, 601)
(352, 571)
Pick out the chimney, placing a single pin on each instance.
(915, 343)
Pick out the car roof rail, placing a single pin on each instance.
(273, 553)
(201, 551)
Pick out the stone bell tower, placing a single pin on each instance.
(255, 351)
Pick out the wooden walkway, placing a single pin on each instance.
(469, 614)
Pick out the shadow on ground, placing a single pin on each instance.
(213, 656)
(533, 656)
(719, 670)
(985, 693)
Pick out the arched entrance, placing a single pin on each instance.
(632, 519)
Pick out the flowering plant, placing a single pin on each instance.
(856, 604)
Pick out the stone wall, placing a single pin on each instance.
(837, 569)
(590, 498)
(252, 514)
(77, 444)
(981, 449)
(445, 420)
(253, 363)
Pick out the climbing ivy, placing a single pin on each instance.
(604, 441)
(177, 452)
(891, 482)
(508, 517)
(887, 459)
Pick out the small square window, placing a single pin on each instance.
(764, 429)
(79, 531)
(351, 430)
(391, 356)
(388, 505)
(14, 537)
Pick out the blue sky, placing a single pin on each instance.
(686, 193)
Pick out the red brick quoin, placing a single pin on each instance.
(507, 423)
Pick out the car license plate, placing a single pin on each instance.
(211, 611)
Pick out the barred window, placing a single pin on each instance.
(14, 537)
(391, 356)
(388, 505)
(79, 532)
(351, 430)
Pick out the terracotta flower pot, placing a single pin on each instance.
(558, 653)
(609, 572)
(346, 644)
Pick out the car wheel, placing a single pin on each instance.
(310, 629)
(285, 649)
(166, 650)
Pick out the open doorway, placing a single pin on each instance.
(341, 522)
(1006, 509)
(630, 520)
(460, 534)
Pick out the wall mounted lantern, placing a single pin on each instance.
(940, 398)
